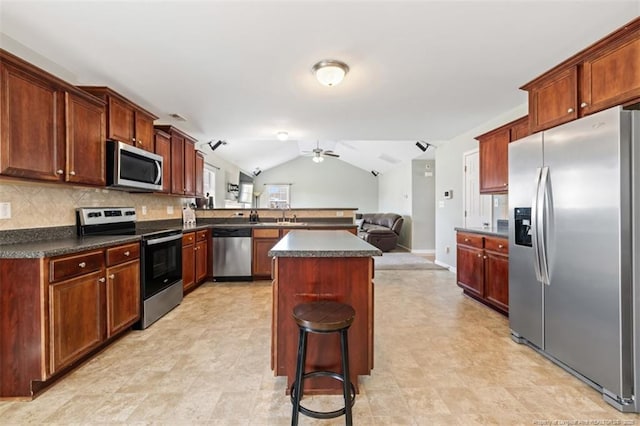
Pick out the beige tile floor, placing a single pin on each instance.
(440, 358)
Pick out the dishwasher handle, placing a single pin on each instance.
(243, 232)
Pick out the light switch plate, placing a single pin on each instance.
(144, 210)
(169, 209)
(5, 210)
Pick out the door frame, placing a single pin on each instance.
(465, 154)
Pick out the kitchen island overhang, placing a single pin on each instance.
(322, 265)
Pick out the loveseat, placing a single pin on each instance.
(380, 229)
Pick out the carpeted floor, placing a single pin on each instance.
(403, 261)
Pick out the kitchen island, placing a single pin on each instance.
(322, 265)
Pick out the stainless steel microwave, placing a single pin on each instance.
(133, 169)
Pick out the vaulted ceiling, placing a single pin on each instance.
(240, 71)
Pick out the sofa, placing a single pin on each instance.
(380, 229)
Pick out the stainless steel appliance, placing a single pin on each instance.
(232, 248)
(160, 257)
(573, 249)
(133, 169)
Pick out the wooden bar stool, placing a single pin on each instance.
(323, 317)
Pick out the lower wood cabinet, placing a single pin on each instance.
(483, 269)
(56, 311)
(195, 258)
(263, 241)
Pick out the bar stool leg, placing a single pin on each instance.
(299, 384)
(347, 378)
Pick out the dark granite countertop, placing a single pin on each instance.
(49, 248)
(301, 243)
(490, 231)
(290, 225)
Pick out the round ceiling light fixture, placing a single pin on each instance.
(282, 136)
(330, 72)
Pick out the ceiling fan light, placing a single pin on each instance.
(330, 72)
(317, 158)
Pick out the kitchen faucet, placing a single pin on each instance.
(284, 212)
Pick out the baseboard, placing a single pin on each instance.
(444, 265)
(423, 251)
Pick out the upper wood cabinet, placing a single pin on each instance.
(493, 151)
(183, 161)
(126, 121)
(162, 145)
(603, 75)
(42, 114)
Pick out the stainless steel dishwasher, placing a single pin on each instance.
(232, 254)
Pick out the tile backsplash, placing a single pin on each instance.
(36, 205)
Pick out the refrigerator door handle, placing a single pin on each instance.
(535, 241)
(543, 216)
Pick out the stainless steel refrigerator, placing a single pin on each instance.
(574, 289)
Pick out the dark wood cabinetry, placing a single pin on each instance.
(483, 269)
(56, 311)
(183, 162)
(494, 155)
(263, 241)
(126, 121)
(604, 74)
(42, 114)
(162, 146)
(195, 258)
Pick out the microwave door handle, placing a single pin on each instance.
(161, 240)
(159, 178)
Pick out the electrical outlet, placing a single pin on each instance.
(340, 214)
(496, 202)
(5, 210)
(169, 209)
(144, 209)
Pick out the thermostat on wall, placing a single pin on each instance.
(448, 194)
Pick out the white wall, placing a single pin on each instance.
(449, 176)
(394, 196)
(332, 183)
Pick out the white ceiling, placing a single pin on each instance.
(241, 70)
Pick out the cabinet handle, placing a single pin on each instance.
(479, 255)
(583, 105)
(127, 253)
(59, 171)
(500, 246)
(112, 276)
(133, 139)
(72, 173)
(570, 110)
(101, 280)
(139, 141)
(504, 184)
(484, 257)
(466, 240)
(82, 264)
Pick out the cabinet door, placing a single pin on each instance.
(199, 173)
(121, 116)
(189, 167)
(610, 78)
(85, 141)
(494, 167)
(177, 164)
(123, 296)
(188, 266)
(470, 269)
(163, 148)
(261, 258)
(554, 101)
(497, 280)
(201, 261)
(76, 321)
(31, 126)
(143, 131)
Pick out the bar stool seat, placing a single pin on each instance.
(323, 317)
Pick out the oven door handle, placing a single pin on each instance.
(161, 240)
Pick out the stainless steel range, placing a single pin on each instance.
(160, 259)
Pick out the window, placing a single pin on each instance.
(278, 195)
(209, 181)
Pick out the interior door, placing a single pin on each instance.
(477, 207)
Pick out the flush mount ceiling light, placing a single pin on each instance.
(330, 72)
(282, 136)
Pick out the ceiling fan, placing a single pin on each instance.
(318, 153)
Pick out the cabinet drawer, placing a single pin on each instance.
(471, 240)
(71, 266)
(121, 254)
(266, 233)
(189, 238)
(499, 245)
(202, 235)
